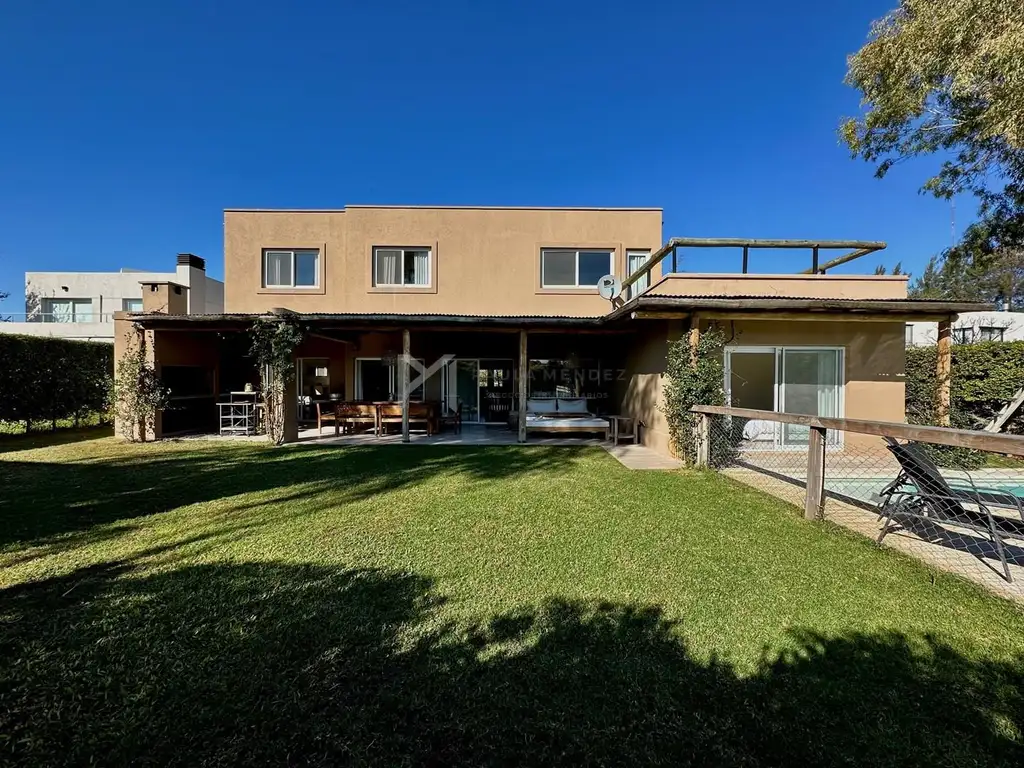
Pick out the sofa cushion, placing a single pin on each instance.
(572, 405)
(541, 406)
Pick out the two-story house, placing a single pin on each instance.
(501, 305)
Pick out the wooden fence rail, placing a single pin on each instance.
(818, 425)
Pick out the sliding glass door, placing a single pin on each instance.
(804, 380)
(810, 384)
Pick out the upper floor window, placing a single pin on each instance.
(131, 305)
(395, 267)
(67, 310)
(567, 268)
(291, 269)
(990, 333)
(909, 334)
(634, 261)
(963, 335)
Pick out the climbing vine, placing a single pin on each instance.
(274, 340)
(138, 394)
(695, 377)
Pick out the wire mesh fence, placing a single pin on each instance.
(955, 508)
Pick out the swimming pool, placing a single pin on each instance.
(868, 488)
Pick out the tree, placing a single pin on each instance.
(945, 77)
(273, 346)
(897, 270)
(986, 265)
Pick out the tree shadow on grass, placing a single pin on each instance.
(229, 664)
(42, 500)
(34, 440)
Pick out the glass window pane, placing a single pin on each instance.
(82, 310)
(810, 386)
(634, 261)
(559, 268)
(593, 266)
(131, 305)
(306, 268)
(417, 265)
(59, 311)
(278, 269)
(386, 267)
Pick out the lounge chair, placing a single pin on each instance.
(921, 492)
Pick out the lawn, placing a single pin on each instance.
(195, 602)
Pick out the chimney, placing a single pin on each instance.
(164, 297)
(191, 273)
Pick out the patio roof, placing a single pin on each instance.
(648, 306)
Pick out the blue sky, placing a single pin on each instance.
(127, 127)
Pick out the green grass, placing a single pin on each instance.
(187, 603)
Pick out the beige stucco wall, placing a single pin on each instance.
(486, 261)
(874, 364)
(784, 286)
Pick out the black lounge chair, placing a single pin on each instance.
(920, 491)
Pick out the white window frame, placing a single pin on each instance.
(633, 290)
(576, 286)
(124, 304)
(835, 437)
(405, 250)
(48, 313)
(293, 251)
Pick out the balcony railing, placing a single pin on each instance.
(53, 317)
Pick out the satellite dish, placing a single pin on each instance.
(609, 287)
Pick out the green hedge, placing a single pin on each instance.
(46, 380)
(985, 376)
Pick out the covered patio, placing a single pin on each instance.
(378, 377)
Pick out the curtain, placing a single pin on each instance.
(635, 261)
(387, 266)
(421, 263)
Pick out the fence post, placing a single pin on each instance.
(814, 501)
(703, 440)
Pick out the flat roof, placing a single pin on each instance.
(446, 208)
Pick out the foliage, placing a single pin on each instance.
(273, 346)
(944, 77)
(698, 380)
(138, 393)
(898, 269)
(986, 265)
(44, 379)
(194, 604)
(985, 377)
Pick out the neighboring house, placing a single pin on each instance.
(487, 298)
(81, 305)
(971, 328)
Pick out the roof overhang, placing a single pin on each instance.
(641, 308)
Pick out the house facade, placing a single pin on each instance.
(971, 328)
(499, 309)
(81, 305)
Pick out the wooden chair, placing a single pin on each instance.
(452, 418)
(326, 413)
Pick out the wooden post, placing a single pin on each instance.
(703, 440)
(814, 502)
(406, 352)
(524, 383)
(943, 371)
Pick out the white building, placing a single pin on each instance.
(971, 327)
(81, 305)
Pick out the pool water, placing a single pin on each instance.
(869, 488)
